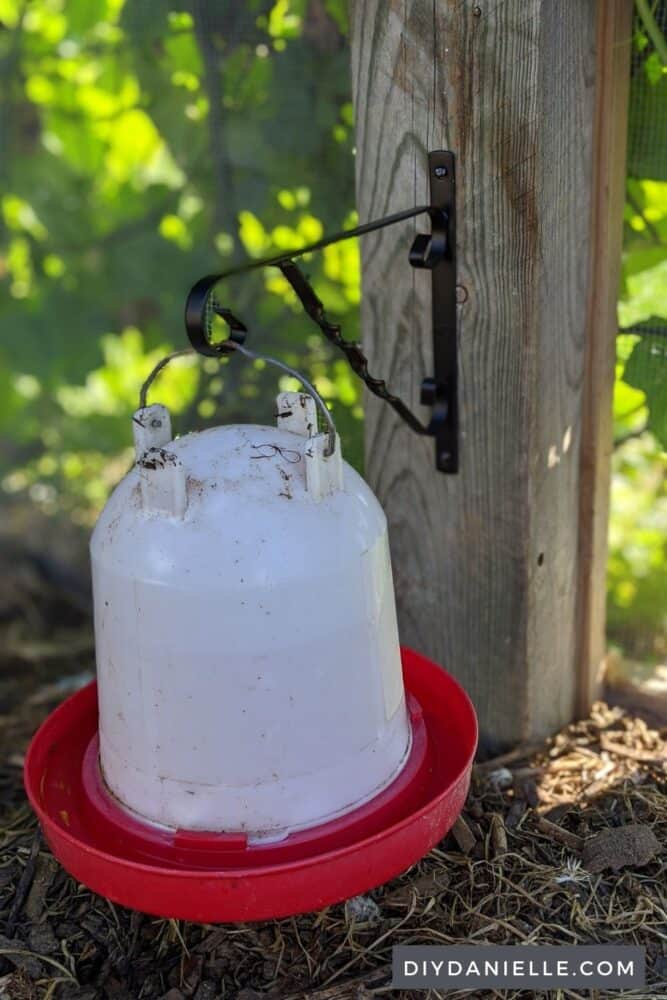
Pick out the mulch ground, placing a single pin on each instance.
(561, 843)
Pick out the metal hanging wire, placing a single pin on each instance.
(236, 348)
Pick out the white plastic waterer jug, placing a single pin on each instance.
(248, 661)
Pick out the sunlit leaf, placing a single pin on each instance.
(173, 228)
(20, 215)
(252, 233)
(646, 295)
(285, 18)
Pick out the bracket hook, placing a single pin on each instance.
(434, 251)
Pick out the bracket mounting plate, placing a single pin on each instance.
(441, 391)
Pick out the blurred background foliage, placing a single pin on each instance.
(147, 143)
(637, 579)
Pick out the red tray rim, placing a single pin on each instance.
(56, 831)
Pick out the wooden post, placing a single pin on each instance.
(487, 564)
(614, 38)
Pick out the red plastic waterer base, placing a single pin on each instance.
(213, 878)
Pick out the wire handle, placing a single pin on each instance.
(234, 347)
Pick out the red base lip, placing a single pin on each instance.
(214, 878)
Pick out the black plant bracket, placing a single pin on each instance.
(434, 251)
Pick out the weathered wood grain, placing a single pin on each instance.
(486, 563)
(614, 40)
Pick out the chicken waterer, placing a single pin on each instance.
(248, 666)
(257, 744)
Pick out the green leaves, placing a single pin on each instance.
(145, 145)
(641, 388)
(637, 568)
(646, 370)
(648, 108)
